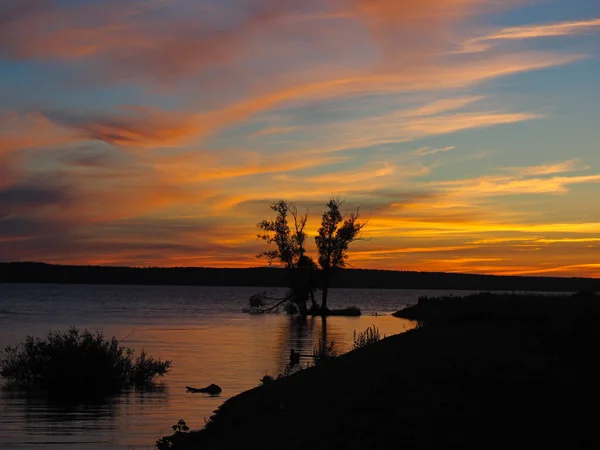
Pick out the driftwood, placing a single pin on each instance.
(281, 302)
(258, 310)
(212, 389)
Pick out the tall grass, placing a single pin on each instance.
(367, 337)
(323, 352)
(75, 361)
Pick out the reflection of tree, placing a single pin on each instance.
(301, 334)
(324, 342)
(295, 333)
(54, 416)
(151, 396)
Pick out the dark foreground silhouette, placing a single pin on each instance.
(520, 373)
(78, 364)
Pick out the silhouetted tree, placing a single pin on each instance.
(336, 234)
(306, 279)
(290, 244)
(289, 251)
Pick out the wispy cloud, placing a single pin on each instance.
(392, 22)
(30, 130)
(207, 167)
(442, 106)
(523, 32)
(129, 127)
(274, 130)
(573, 165)
(498, 185)
(432, 151)
(133, 38)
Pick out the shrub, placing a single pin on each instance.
(290, 308)
(367, 337)
(180, 427)
(257, 300)
(176, 439)
(77, 362)
(266, 379)
(323, 353)
(287, 370)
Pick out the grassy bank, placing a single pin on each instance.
(516, 371)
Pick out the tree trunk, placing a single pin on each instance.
(324, 298)
(276, 305)
(313, 306)
(302, 308)
(325, 280)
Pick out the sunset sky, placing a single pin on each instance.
(157, 132)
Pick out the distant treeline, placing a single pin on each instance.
(273, 277)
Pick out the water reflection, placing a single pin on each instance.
(305, 334)
(324, 342)
(56, 422)
(150, 395)
(202, 330)
(39, 419)
(295, 333)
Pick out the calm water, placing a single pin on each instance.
(201, 329)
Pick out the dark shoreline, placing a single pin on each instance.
(273, 277)
(490, 376)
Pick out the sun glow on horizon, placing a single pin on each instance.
(156, 133)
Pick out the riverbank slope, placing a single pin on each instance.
(478, 381)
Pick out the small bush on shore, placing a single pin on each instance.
(177, 438)
(266, 379)
(75, 361)
(367, 337)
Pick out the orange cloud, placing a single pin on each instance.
(498, 185)
(32, 130)
(580, 270)
(204, 167)
(393, 251)
(364, 176)
(130, 127)
(567, 240)
(531, 32)
(444, 105)
(392, 21)
(572, 165)
(396, 227)
(127, 39)
(432, 151)
(457, 122)
(274, 130)
(421, 77)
